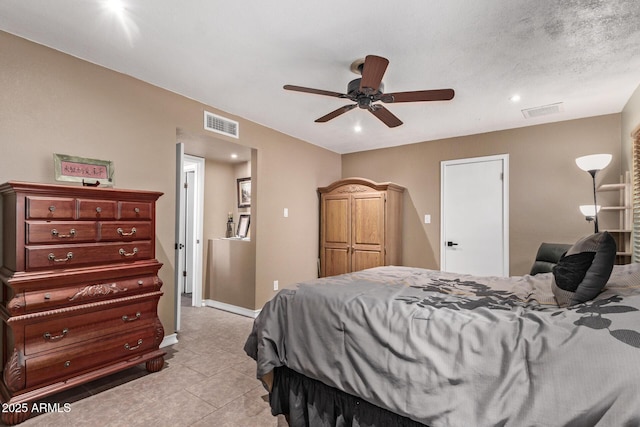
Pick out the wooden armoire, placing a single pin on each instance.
(360, 225)
(79, 289)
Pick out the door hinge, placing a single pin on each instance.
(186, 185)
(184, 274)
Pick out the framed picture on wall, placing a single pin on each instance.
(243, 225)
(244, 192)
(90, 172)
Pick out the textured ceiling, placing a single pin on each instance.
(236, 56)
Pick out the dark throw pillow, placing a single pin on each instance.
(582, 273)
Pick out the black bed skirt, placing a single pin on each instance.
(308, 402)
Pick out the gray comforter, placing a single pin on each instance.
(460, 350)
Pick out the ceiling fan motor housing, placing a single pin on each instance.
(363, 100)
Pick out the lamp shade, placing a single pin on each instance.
(593, 162)
(588, 210)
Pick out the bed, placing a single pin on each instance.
(407, 346)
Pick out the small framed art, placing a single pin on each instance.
(91, 172)
(244, 192)
(243, 225)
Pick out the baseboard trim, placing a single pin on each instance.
(231, 308)
(169, 340)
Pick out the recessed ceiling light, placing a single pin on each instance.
(234, 156)
(357, 128)
(515, 98)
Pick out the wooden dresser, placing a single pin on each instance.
(360, 225)
(80, 289)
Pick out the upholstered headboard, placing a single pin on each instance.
(547, 257)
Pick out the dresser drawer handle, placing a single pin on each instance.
(136, 210)
(52, 208)
(55, 233)
(98, 209)
(128, 347)
(126, 318)
(67, 363)
(53, 258)
(124, 253)
(47, 336)
(122, 233)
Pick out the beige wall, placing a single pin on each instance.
(54, 103)
(630, 122)
(546, 186)
(219, 200)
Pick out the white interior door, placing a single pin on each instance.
(193, 227)
(179, 245)
(474, 217)
(189, 227)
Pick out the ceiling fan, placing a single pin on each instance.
(369, 88)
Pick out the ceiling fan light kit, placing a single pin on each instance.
(368, 89)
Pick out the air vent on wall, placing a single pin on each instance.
(545, 110)
(222, 125)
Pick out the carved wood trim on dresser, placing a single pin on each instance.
(79, 288)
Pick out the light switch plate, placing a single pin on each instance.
(427, 219)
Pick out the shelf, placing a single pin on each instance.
(612, 208)
(622, 225)
(612, 187)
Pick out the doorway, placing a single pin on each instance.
(218, 155)
(189, 229)
(474, 232)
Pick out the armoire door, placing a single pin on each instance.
(367, 230)
(336, 217)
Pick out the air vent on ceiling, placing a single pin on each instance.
(545, 110)
(221, 125)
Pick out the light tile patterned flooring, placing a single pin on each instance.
(207, 380)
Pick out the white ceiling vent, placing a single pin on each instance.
(545, 110)
(220, 124)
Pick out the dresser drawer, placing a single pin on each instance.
(60, 232)
(97, 209)
(61, 365)
(59, 332)
(125, 231)
(69, 256)
(50, 208)
(135, 210)
(89, 292)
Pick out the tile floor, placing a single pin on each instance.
(207, 380)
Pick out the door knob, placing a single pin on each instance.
(450, 243)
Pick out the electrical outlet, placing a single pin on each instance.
(275, 285)
(285, 213)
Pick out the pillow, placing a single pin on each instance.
(581, 274)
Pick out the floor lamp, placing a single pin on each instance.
(592, 164)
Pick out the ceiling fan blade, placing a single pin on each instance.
(385, 115)
(314, 91)
(419, 95)
(372, 71)
(336, 113)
